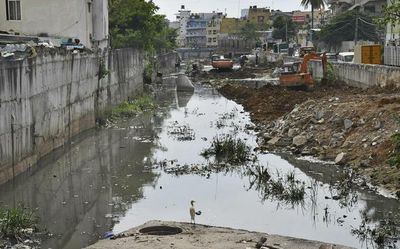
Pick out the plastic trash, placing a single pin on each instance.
(108, 235)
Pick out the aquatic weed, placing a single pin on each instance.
(282, 188)
(227, 148)
(384, 234)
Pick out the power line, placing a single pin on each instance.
(330, 33)
(364, 21)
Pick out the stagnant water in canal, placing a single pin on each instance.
(105, 180)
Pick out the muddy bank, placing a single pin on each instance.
(337, 123)
(201, 236)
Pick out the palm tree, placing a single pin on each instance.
(315, 4)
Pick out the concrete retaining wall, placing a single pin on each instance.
(47, 100)
(358, 75)
(166, 62)
(367, 75)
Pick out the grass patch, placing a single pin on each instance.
(229, 149)
(132, 108)
(13, 221)
(394, 159)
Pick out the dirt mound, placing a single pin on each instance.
(339, 123)
(270, 102)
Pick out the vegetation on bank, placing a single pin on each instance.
(133, 107)
(134, 23)
(394, 159)
(15, 223)
(127, 109)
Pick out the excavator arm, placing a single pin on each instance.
(313, 56)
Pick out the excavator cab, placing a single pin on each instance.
(297, 74)
(290, 68)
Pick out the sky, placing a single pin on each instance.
(232, 7)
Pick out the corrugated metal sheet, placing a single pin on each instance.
(392, 55)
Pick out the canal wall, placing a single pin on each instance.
(358, 75)
(48, 99)
(367, 75)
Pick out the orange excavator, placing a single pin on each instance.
(297, 74)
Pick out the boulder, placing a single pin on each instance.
(291, 132)
(299, 140)
(274, 140)
(347, 124)
(377, 124)
(319, 114)
(340, 158)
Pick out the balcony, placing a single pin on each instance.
(195, 27)
(350, 2)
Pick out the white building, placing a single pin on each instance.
(371, 7)
(182, 17)
(213, 30)
(86, 20)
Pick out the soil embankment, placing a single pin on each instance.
(350, 126)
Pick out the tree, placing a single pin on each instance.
(315, 4)
(249, 32)
(133, 23)
(391, 13)
(284, 28)
(343, 28)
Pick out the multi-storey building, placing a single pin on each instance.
(197, 30)
(260, 16)
(86, 20)
(371, 7)
(213, 30)
(182, 18)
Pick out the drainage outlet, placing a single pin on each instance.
(160, 230)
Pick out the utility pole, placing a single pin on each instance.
(286, 31)
(356, 31)
(13, 145)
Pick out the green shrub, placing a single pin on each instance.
(14, 220)
(394, 159)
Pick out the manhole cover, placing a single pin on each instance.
(160, 230)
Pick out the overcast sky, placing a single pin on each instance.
(171, 7)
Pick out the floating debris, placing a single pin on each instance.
(181, 132)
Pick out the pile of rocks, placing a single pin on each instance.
(331, 129)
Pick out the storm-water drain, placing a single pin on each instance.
(160, 230)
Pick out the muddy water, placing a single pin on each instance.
(106, 180)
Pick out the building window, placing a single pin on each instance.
(13, 8)
(89, 7)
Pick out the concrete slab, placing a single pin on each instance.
(202, 236)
